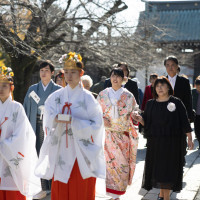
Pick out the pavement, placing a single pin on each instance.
(191, 178)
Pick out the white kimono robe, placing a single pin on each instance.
(18, 156)
(85, 136)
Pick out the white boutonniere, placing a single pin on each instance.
(171, 107)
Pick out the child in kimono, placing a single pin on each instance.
(18, 155)
(34, 108)
(72, 152)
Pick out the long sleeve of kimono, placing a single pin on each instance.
(50, 113)
(89, 134)
(46, 163)
(90, 125)
(18, 150)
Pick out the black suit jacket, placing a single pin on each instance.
(195, 96)
(131, 86)
(182, 90)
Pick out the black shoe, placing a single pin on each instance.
(160, 198)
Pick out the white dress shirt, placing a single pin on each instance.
(172, 80)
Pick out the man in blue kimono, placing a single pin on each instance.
(34, 106)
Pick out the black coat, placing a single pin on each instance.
(131, 86)
(182, 90)
(194, 98)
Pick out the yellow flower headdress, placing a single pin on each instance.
(70, 61)
(6, 74)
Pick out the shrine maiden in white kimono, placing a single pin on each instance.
(84, 140)
(18, 156)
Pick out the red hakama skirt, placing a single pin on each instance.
(11, 195)
(77, 188)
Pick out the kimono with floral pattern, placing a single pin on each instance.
(120, 143)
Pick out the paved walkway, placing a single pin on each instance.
(191, 180)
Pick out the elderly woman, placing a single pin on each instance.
(72, 153)
(87, 83)
(121, 137)
(166, 128)
(18, 155)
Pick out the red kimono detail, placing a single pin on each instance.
(147, 96)
(77, 188)
(11, 195)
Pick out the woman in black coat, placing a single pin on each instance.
(166, 129)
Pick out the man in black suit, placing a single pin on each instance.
(181, 85)
(130, 85)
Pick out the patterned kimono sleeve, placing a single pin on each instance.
(101, 101)
(135, 107)
(89, 135)
(19, 152)
(133, 135)
(134, 104)
(48, 153)
(89, 126)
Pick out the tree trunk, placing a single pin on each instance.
(22, 67)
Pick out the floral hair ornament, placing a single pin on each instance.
(70, 61)
(6, 75)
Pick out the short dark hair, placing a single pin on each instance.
(162, 80)
(197, 80)
(126, 65)
(118, 72)
(172, 58)
(46, 63)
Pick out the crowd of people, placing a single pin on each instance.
(70, 133)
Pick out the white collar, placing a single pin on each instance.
(116, 92)
(45, 87)
(115, 95)
(6, 101)
(71, 90)
(172, 78)
(72, 93)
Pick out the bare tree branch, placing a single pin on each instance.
(12, 9)
(47, 4)
(51, 43)
(115, 9)
(60, 21)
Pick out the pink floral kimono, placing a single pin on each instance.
(120, 143)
